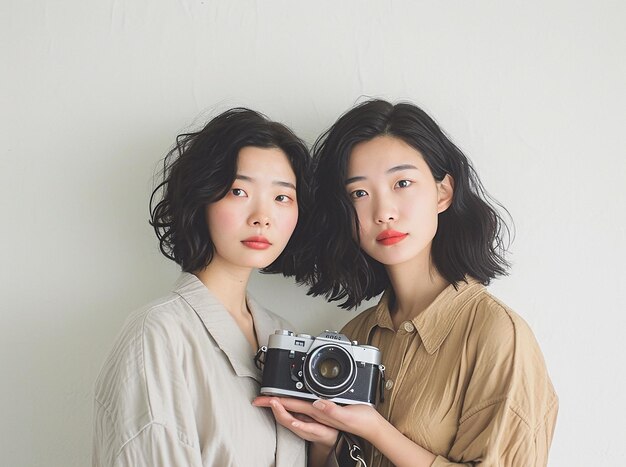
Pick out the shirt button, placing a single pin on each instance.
(389, 384)
(408, 326)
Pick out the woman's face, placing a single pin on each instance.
(397, 200)
(252, 224)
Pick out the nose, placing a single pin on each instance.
(385, 212)
(259, 217)
(261, 221)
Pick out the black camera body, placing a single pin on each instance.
(328, 366)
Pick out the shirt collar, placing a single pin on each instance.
(436, 321)
(223, 328)
(229, 338)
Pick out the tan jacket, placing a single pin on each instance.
(465, 379)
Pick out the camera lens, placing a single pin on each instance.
(329, 371)
(330, 368)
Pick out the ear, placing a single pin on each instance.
(445, 193)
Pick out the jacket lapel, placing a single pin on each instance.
(219, 324)
(290, 449)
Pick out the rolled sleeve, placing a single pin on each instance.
(500, 435)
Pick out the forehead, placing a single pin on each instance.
(380, 154)
(254, 162)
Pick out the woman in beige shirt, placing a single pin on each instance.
(399, 209)
(176, 388)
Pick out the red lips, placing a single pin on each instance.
(257, 242)
(390, 237)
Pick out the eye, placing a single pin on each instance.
(283, 198)
(404, 183)
(238, 192)
(358, 194)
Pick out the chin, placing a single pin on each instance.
(257, 264)
(261, 264)
(394, 258)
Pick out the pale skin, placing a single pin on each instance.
(392, 188)
(261, 205)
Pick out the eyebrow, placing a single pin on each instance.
(245, 178)
(285, 184)
(397, 168)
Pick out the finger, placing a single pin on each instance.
(327, 408)
(304, 410)
(302, 417)
(280, 413)
(282, 416)
(291, 404)
(322, 411)
(314, 432)
(295, 405)
(262, 401)
(310, 431)
(329, 413)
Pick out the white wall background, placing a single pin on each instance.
(94, 92)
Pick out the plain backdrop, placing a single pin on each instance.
(93, 94)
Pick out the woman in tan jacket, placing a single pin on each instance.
(400, 210)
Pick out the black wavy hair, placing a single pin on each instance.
(201, 168)
(470, 233)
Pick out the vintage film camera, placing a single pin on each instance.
(328, 366)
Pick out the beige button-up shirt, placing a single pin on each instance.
(177, 388)
(465, 380)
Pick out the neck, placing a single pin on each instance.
(228, 283)
(416, 284)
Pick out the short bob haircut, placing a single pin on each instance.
(468, 241)
(201, 169)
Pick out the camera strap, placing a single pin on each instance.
(259, 358)
(346, 452)
(381, 380)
